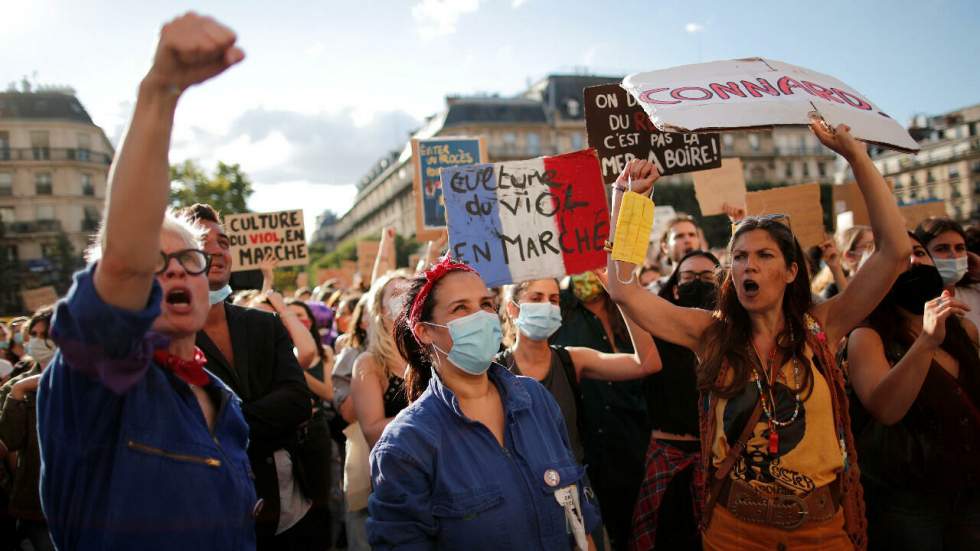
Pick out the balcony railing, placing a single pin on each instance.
(47, 154)
(27, 228)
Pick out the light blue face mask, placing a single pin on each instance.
(476, 340)
(214, 297)
(538, 320)
(952, 269)
(18, 338)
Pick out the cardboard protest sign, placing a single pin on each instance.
(429, 157)
(759, 93)
(367, 252)
(847, 197)
(259, 236)
(344, 278)
(914, 213)
(801, 203)
(619, 129)
(36, 298)
(713, 188)
(523, 220)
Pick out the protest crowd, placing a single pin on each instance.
(753, 394)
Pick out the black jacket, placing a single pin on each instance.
(275, 398)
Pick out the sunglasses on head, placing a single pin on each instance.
(764, 219)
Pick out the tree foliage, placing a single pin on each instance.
(227, 189)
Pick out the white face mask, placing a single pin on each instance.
(39, 349)
(952, 269)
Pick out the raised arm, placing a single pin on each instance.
(304, 343)
(871, 283)
(681, 326)
(191, 50)
(385, 261)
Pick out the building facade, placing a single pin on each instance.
(547, 119)
(53, 166)
(947, 167)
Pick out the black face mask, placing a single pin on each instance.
(916, 286)
(697, 294)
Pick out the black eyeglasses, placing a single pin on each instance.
(193, 261)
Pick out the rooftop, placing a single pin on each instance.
(42, 105)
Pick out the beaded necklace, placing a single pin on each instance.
(769, 404)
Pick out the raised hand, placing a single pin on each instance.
(192, 48)
(639, 175)
(735, 213)
(935, 315)
(829, 253)
(838, 139)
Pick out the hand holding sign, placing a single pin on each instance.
(639, 175)
(839, 139)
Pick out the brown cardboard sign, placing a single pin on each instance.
(915, 213)
(801, 203)
(619, 130)
(259, 236)
(367, 252)
(37, 298)
(718, 186)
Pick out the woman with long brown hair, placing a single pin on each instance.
(775, 440)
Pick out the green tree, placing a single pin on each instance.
(227, 189)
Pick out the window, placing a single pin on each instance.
(42, 183)
(8, 253)
(40, 145)
(789, 170)
(4, 145)
(6, 184)
(954, 172)
(821, 169)
(45, 212)
(90, 220)
(84, 147)
(929, 177)
(7, 214)
(727, 141)
(576, 141)
(754, 142)
(806, 169)
(88, 189)
(533, 143)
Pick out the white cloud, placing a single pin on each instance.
(316, 49)
(517, 3)
(439, 17)
(312, 197)
(589, 57)
(694, 27)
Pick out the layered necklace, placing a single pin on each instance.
(768, 374)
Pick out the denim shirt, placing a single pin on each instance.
(127, 460)
(443, 481)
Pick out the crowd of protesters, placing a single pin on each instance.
(751, 396)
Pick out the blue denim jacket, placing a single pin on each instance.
(127, 460)
(442, 480)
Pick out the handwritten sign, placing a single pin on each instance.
(619, 129)
(367, 252)
(714, 188)
(429, 157)
(759, 93)
(524, 220)
(343, 278)
(916, 213)
(801, 203)
(259, 236)
(37, 298)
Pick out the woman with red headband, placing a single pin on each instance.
(480, 459)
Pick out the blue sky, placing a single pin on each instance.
(328, 87)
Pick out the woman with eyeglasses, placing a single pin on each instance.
(776, 444)
(141, 447)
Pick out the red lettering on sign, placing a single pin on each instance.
(755, 89)
(820, 91)
(722, 90)
(642, 122)
(787, 84)
(852, 100)
(677, 93)
(648, 97)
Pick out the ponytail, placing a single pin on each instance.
(419, 360)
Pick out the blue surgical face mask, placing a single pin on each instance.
(4, 345)
(214, 297)
(18, 338)
(538, 320)
(952, 269)
(476, 340)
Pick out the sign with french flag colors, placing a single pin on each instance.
(523, 220)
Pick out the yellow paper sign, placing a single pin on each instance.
(633, 228)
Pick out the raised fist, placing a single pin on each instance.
(192, 49)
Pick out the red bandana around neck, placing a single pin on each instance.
(189, 371)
